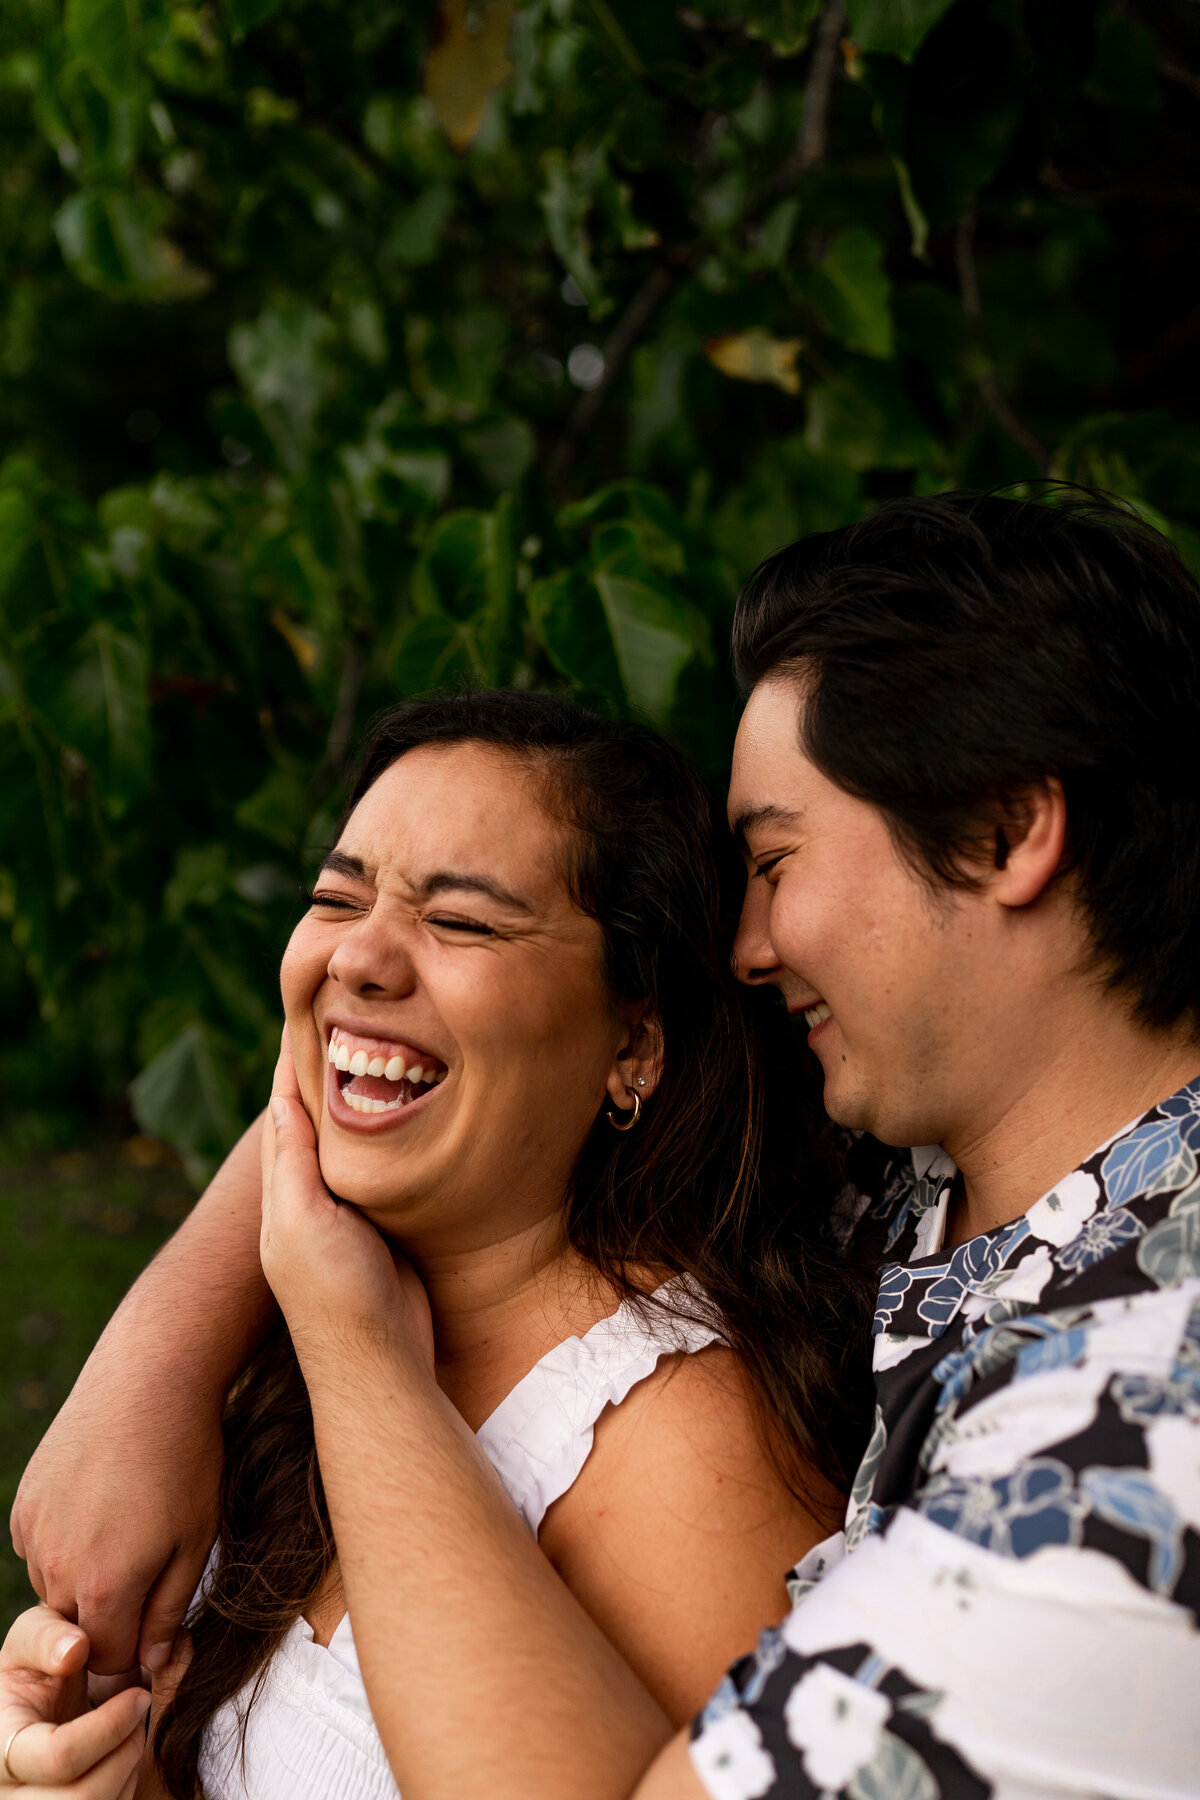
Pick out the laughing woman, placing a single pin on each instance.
(515, 1033)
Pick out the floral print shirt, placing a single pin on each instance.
(1012, 1609)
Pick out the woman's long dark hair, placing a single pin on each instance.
(686, 1193)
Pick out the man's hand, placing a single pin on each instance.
(125, 1572)
(56, 1745)
(330, 1270)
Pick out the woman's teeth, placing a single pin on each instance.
(817, 1015)
(364, 1104)
(392, 1068)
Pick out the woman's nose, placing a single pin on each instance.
(373, 959)
(754, 958)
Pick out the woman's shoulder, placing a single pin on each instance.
(678, 1533)
(541, 1434)
(688, 1431)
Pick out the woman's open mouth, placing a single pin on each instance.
(370, 1076)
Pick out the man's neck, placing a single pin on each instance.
(1092, 1082)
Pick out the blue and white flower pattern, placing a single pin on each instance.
(1038, 1405)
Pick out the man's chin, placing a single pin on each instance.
(856, 1105)
(845, 1101)
(861, 1109)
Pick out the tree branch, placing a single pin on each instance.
(341, 728)
(809, 153)
(1184, 78)
(818, 90)
(813, 141)
(986, 384)
(620, 342)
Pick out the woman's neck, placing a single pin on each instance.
(499, 1307)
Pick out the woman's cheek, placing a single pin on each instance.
(300, 974)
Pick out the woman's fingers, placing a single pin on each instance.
(103, 1746)
(114, 1777)
(44, 1641)
(286, 1083)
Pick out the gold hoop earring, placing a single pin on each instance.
(631, 1122)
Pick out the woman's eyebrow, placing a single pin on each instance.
(338, 863)
(446, 879)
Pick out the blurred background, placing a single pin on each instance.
(348, 347)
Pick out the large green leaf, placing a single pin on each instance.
(864, 419)
(279, 359)
(434, 652)
(187, 1098)
(97, 704)
(112, 241)
(893, 27)
(784, 24)
(570, 620)
(566, 203)
(106, 35)
(949, 121)
(244, 15)
(108, 243)
(452, 569)
(852, 292)
(654, 636)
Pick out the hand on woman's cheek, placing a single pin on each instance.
(333, 1275)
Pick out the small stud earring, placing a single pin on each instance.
(641, 1081)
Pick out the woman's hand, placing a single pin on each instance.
(55, 1743)
(334, 1276)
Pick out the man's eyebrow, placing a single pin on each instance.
(338, 863)
(761, 818)
(447, 879)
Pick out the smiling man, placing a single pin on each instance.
(967, 789)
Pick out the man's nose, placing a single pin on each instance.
(374, 960)
(754, 959)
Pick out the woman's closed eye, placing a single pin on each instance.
(766, 868)
(332, 902)
(445, 923)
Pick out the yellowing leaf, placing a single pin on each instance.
(468, 59)
(755, 355)
(303, 645)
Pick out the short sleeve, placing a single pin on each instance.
(1025, 1624)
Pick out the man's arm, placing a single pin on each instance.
(143, 1424)
(1025, 1620)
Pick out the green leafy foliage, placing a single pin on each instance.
(352, 349)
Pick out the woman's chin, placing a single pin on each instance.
(352, 1174)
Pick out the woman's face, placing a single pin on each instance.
(446, 1006)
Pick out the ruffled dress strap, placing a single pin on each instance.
(540, 1435)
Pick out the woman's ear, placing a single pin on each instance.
(639, 1062)
(1030, 846)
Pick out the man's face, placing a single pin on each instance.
(903, 987)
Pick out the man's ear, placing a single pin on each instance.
(638, 1065)
(1030, 845)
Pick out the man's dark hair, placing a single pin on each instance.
(958, 650)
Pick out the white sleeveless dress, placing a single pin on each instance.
(310, 1734)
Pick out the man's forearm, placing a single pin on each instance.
(203, 1305)
(144, 1418)
(484, 1673)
